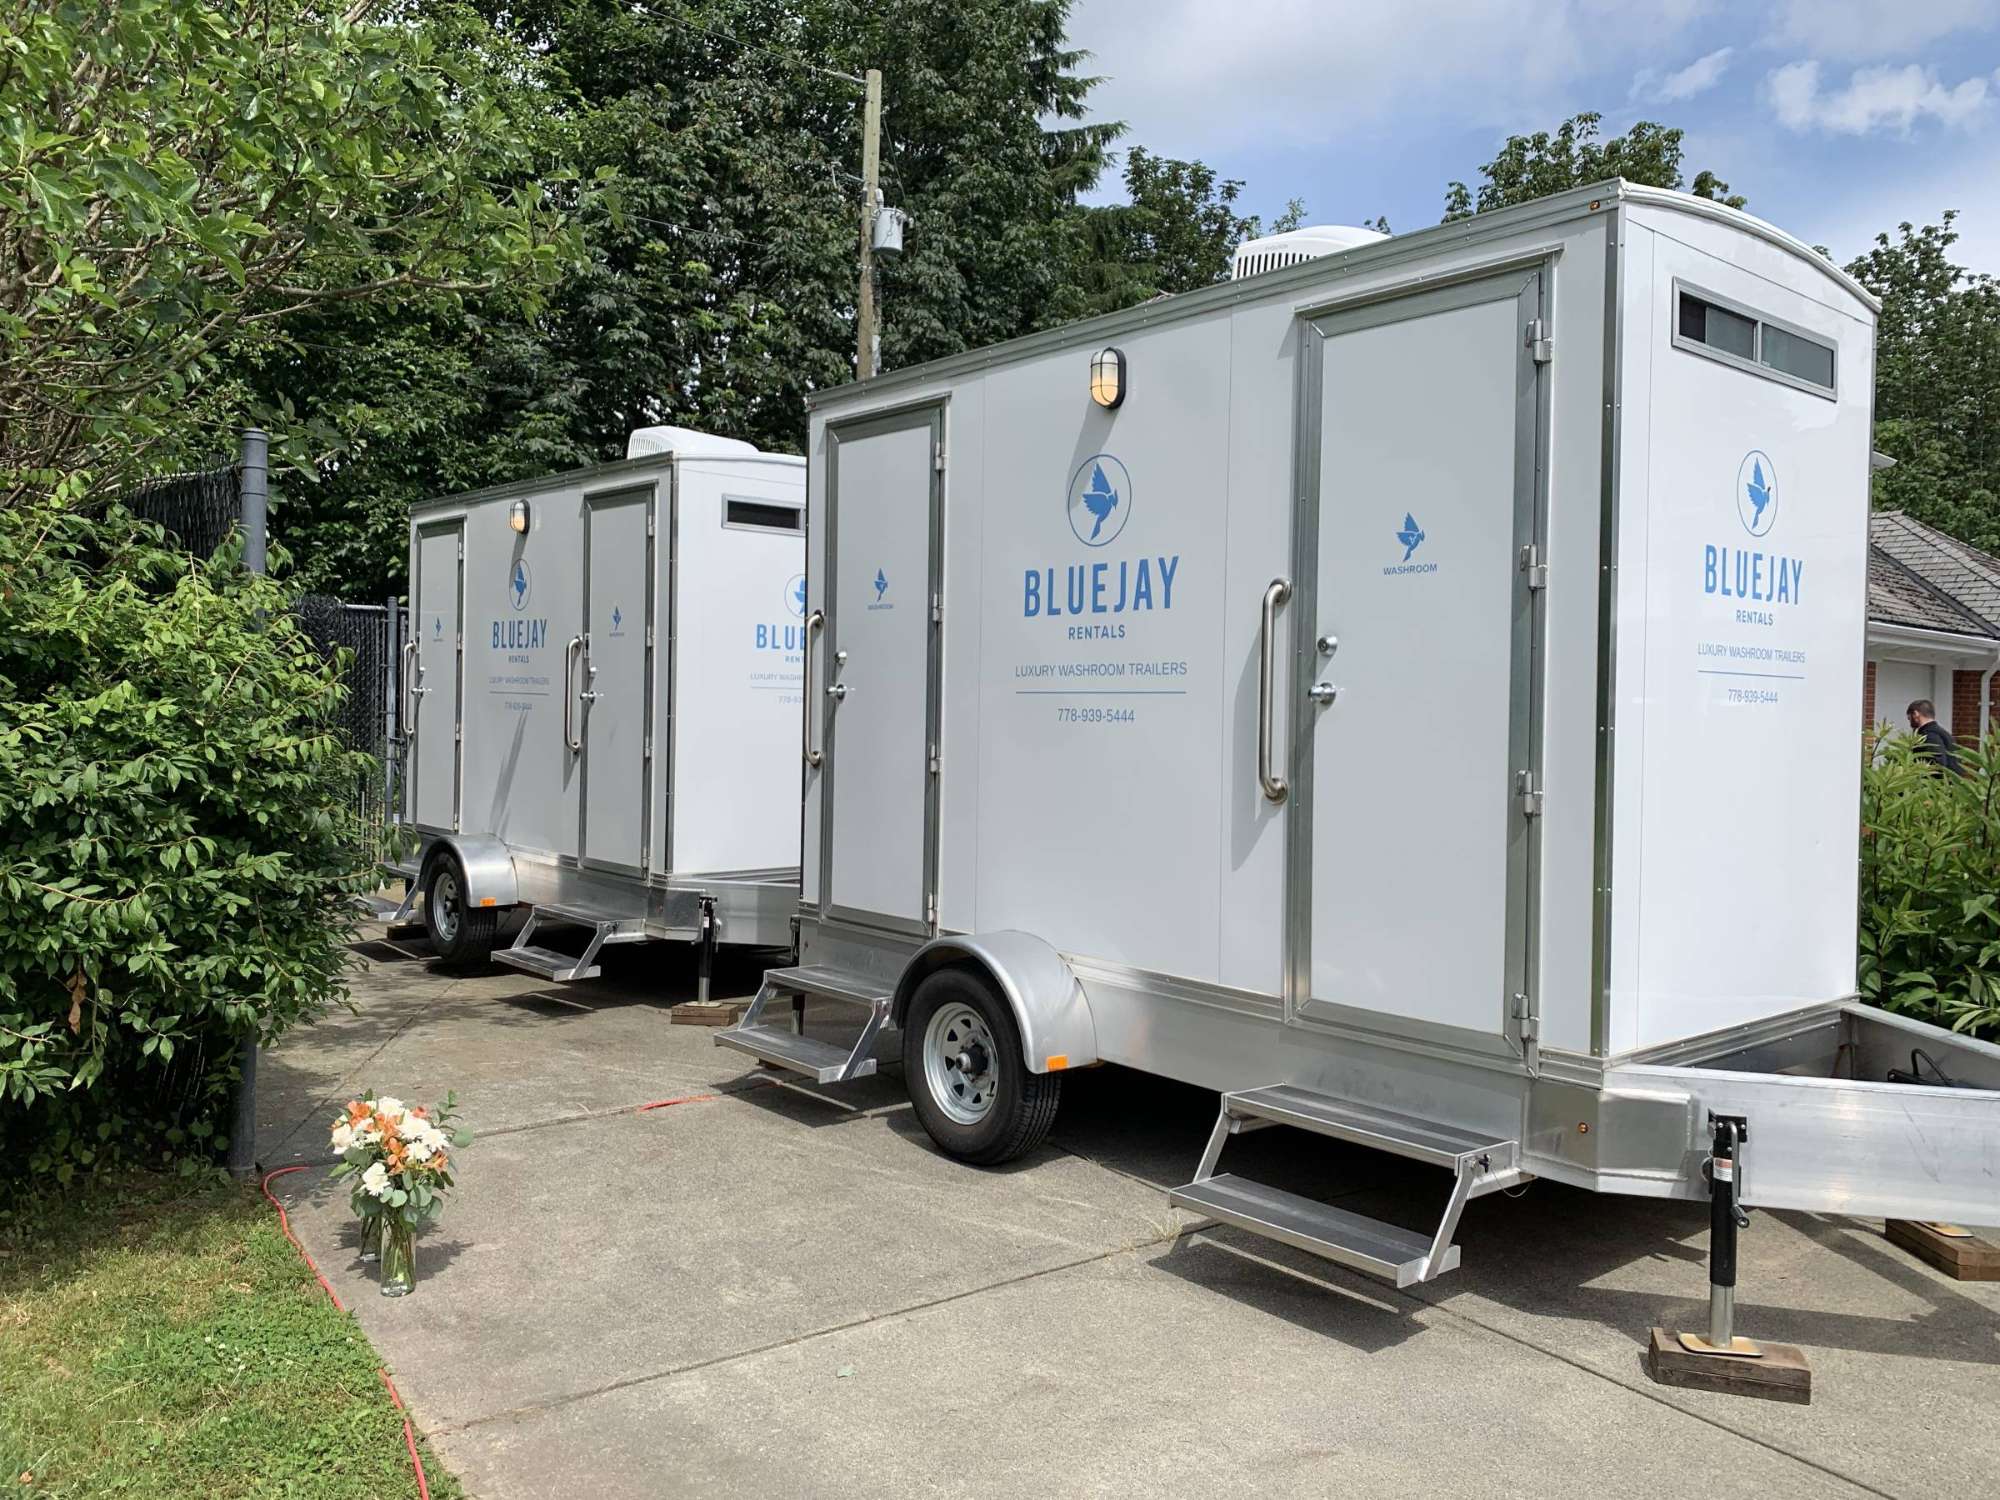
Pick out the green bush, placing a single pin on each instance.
(1930, 880)
(177, 846)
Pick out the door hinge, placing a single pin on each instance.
(935, 759)
(937, 609)
(1524, 1015)
(1532, 565)
(1540, 344)
(649, 637)
(647, 752)
(930, 909)
(649, 520)
(1529, 790)
(461, 546)
(937, 457)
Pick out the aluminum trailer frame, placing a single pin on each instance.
(600, 692)
(1536, 937)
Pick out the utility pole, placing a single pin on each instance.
(252, 495)
(871, 171)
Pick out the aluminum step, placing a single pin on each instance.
(1361, 1244)
(615, 929)
(823, 1062)
(547, 962)
(832, 984)
(1478, 1165)
(1401, 1135)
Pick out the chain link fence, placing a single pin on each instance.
(198, 510)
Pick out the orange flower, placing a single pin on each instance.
(357, 1111)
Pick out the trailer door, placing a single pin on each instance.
(1414, 760)
(879, 711)
(614, 680)
(432, 675)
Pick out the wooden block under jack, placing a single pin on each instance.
(714, 1013)
(1962, 1256)
(1779, 1373)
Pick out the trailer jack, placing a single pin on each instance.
(1722, 1360)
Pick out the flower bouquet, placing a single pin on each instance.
(397, 1155)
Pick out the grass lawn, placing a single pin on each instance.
(162, 1338)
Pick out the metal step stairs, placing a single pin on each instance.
(388, 909)
(552, 963)
(1478, 1166)
(823, 1062)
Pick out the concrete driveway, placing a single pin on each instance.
(765, 1288)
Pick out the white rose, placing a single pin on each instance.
(375, 1181)
(389, 1107)
(420, 1150)
(343, 1137)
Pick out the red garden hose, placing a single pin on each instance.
(409, 1436)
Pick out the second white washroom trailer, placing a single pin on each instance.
(600, 701)
(1414, 692)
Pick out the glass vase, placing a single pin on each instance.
(399, 1258)
(371, 1239)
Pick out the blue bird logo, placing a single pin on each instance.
(1100, 500)
(617, 617)
(1411, 536)
(1757, 492)
(881, 584)
(1760, 495)
(518, 584)
(437, 627)
(799, 596)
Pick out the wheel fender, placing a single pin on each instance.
(1048, 1003)
(489, 868)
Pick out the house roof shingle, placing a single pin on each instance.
(1918, 576)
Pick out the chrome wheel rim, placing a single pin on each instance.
(961, 1063)
(444, 904)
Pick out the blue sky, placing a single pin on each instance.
(1838, 118)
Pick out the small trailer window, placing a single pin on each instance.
(1736, 336)
(761, 515)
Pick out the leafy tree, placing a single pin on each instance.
(1177, 233)
(1534, 166)
(1937, 382)
(177, 177)
(180, 847)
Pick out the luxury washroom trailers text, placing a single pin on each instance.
(1412, 692)
(601, 700)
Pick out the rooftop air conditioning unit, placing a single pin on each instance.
(1254, 257)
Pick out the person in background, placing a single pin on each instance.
(1938, 745)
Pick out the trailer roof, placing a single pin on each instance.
(1413, 246)
(594, 474)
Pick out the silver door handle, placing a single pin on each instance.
(815, 622)
(570, 654)
(406, 709)
(837, 691)
(1273, 784)
(1322, 692)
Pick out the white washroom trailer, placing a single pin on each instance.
(1418, 701)
(601, 698)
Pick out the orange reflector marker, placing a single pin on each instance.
(486, 901)
(1057, 1062)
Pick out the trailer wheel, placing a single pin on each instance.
(967, 1075)
(463, 936)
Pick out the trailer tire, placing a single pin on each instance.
(463, 936)
(967, 1072)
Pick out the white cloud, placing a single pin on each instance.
(1858, 30)
(1195, 78)
(1875, 98)
(1698, 77)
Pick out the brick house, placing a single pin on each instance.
(1933, 625)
